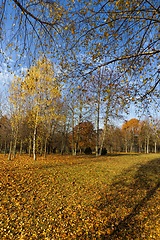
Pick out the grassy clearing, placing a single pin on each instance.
(66, 197)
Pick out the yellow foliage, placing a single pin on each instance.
(36, 93)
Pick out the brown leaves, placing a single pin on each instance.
(68, 197)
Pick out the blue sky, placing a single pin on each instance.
(5, 76)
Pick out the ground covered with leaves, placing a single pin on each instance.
(80, 197)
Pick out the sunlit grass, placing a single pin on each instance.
(82, 197)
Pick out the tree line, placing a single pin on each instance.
(42, 120)
(133, 137)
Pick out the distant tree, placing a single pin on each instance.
(156, 133)
(147, 133)
(114, 99)
(87, 137)
(130, 129)
(5, 131)
(17, 109)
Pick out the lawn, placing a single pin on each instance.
(80, 197)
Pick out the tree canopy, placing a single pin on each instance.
(84, 36)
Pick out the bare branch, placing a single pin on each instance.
(123, 58)
(31, 15)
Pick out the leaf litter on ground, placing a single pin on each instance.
(80, 197)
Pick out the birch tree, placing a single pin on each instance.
(17, 111)
(40, 89)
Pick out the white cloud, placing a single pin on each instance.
(5, 76)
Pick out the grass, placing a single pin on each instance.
(80, 197)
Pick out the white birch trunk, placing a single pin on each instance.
(34, 143)
(106, 122)
(45, 148)
(34, 137)
(155, 147)
(147, 144)
(97, 134)
(15, 143)
(10, 148)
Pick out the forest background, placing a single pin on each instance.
(78, 66)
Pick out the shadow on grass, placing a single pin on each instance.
(93, 155)
(131, 204)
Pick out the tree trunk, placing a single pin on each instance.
(97, 133)
(126, 148)
(145, 147)
(147, 144)
(10, 150)
(20, 152)
(15, 143)
(62, 144)
(63, 140)
(139, 144)
(77, 140)
(5, 146)
(119, 150)
(45, 148)
(78, 130)
(104, 135)
(131, 150)
(73, 153)
(34, 143)
(41, 147)
(14, 148)
(30, 142)
(34, 137)
(155, 147)
(105, 125)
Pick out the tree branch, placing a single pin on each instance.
(31, 15)
(124, 58)
(149, 92)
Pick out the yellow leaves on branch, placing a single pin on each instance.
(37, 92)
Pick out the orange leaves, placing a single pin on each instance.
(106, 34)
(68, 197)
(133, 123)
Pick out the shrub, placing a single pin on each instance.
(88, 150)
(104, 151)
